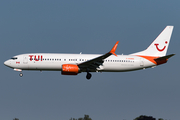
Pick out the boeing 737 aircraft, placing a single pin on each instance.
(73, 64)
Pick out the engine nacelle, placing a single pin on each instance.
(69, 69)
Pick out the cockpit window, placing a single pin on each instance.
(14, 58)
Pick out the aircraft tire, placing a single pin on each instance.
(88, 76)
(20, 74)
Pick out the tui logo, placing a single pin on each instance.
(160, 50)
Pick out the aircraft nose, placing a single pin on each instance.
(6, 63)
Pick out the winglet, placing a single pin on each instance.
(114, 49)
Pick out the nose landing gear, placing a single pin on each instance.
(20, 74)
(19, 70)
(88, 76)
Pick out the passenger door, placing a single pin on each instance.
(25, 59)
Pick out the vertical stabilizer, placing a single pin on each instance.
(160, 45)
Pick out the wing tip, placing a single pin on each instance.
(113, 50)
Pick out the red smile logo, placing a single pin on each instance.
(162, 48)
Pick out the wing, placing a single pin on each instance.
(93, 64)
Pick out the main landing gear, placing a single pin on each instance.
(88, 76)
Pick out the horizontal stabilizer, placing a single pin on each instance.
(165, 57)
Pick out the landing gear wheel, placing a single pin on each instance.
(88, 76)
(20, 74)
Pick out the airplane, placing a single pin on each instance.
(73, 64)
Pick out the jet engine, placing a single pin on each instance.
(69, 69)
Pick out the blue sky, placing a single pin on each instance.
(89, 27)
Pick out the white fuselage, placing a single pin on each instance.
(45, 61)
(72, 64)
